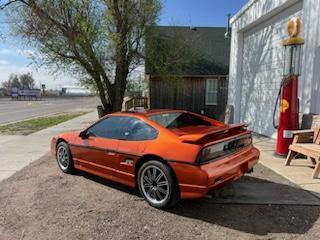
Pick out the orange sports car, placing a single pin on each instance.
(168, 154)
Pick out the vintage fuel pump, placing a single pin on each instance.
(288, 92)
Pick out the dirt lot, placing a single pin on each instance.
(40, 202)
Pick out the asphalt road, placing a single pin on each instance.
(12, 111)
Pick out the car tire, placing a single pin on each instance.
(64, 158)
(158, 185)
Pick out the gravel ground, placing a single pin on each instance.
(40, 202)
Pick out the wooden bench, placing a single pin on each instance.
(306, 142)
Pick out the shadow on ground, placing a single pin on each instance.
(108, 183)
(254, 219)
(250, 214)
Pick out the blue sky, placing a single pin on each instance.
(211, 13)
(15, 58)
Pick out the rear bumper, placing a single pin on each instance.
(197, 181)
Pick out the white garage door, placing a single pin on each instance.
(262, 70)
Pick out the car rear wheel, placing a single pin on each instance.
(157, 184)
(64, 157)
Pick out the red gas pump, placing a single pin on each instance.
(288, 93)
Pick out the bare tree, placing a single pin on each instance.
(27, 81)
(23, 81)
(102, 41)
(13, 82)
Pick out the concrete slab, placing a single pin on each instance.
(4, 138)
(299, 172)
(19, 151)
(6, 174)
(265, 193)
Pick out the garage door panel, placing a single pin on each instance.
(262, 70)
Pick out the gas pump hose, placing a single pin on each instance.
(276, 105)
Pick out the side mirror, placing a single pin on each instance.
(83, 135)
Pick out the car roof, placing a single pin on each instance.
(147, 113)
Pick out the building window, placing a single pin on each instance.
(211, 91)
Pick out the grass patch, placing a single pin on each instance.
(27, 127)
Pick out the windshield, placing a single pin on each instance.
(178, 120)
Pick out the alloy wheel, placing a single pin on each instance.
(154, 184)
(63, 157)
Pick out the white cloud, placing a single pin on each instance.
(40, 76)
(6, 51)
(15, 60)
(3, 62)
(26, 53)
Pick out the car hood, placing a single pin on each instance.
(196, 133)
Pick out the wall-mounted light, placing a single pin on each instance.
(228, 29)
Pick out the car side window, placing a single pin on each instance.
(140, 131)
(106, 128)
(123, 128)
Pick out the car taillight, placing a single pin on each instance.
(216, 151)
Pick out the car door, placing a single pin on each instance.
(98, 151)
(132, 145)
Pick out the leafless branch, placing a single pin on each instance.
(8, 3)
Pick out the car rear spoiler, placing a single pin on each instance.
(191, 138)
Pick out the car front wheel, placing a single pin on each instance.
(158, 185)
(64, 158)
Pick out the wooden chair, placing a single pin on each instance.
(306, 142)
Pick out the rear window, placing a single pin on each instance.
(178, 120)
